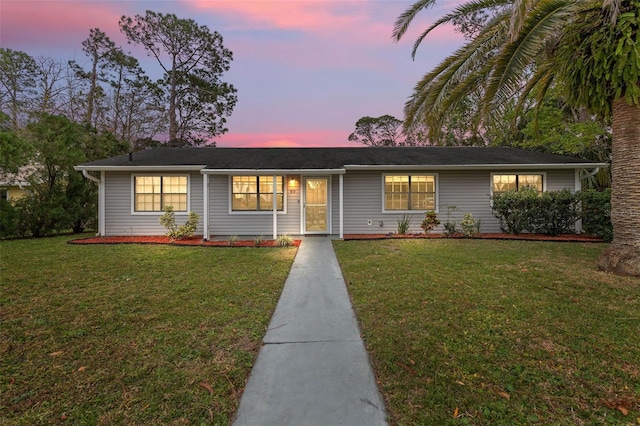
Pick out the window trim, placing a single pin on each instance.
(436, 182)
(159, 212)
(492, 174)
(257, 212)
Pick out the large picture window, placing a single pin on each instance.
(255, 193)
(154, 193)
(514, 182)
(409, 192)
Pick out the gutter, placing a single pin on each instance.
(476, 166)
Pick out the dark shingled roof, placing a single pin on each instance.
(333, 158)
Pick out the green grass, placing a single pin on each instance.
(131, 334)
(496, 332)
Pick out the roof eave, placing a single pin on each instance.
(475, 166)
(272, 171)
(172, 168)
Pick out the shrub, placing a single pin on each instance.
(549, 213)
(175, 232)
(555, 213)
(232, 239)
(404, 223)
(450, 226)
(284, 241)
(596, 213)
(258, 240)
(469, 225)
(430, 221)
(8, 220)
(512, 209)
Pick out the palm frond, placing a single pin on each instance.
(459, 12)
(548, 18)
(404, 20)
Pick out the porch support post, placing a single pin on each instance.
(275, 207)
(341, 202)
(205, 206)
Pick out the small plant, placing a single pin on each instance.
(450, 226)
(430, 221)
(284, 241)
(469, 225)
(404, 223)
(175, 232)
(232, 239)
(258, 240)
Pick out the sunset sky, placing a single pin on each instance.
(305, 70)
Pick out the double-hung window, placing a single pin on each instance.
(255, 193)
(409, 192)
(154, 193)
(515, 182)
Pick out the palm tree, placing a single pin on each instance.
(589, 47)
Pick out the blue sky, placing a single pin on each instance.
(305, 70)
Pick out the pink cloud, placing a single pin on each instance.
(322, 138)
(308, 16)
(55, 23)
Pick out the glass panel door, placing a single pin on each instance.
(315, 205)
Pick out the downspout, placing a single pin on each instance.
(591, 173)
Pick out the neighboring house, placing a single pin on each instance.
(15, 185)
(317, 190)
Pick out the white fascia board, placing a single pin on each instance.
(479, 166)
(156, 169)
(273, 171)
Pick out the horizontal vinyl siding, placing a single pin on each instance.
(118, 217)
(469, 191)
(222, 222)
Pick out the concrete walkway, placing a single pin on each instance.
(313, 369)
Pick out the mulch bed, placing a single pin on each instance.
(161, 239)
(197, 240)
(579, 238)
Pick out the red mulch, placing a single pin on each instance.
(161, 239)
(579, 238)
(197, 240)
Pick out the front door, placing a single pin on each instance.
(316, 212)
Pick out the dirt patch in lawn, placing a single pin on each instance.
(191, 241)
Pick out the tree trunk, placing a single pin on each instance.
(622, 257)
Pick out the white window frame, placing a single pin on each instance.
(436, 182)
(544, 179)
(257, 212)
(160, 212)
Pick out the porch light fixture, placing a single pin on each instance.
(292, 181)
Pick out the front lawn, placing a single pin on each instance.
(131, 334)
(496, 332)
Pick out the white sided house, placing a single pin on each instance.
(302, 191)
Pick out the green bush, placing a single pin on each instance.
(8, 220)
(470, 225)
(555, 213)
(175, 232)
(512, 209)
(550, 213)
(596, 213)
